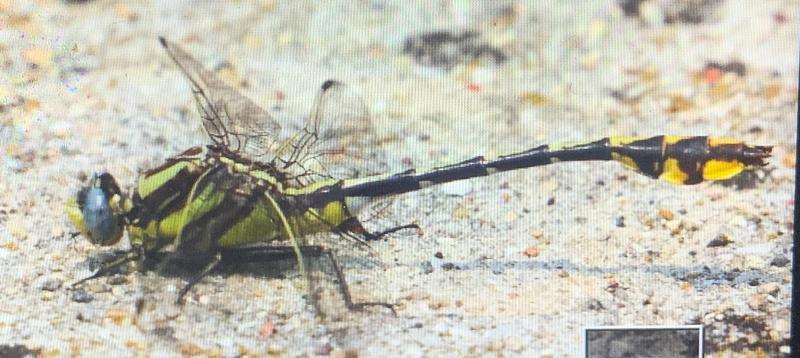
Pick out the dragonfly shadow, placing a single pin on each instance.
(273, 263)
(701, 276)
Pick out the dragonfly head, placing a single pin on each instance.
(96, 210)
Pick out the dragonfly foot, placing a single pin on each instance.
(379, 235)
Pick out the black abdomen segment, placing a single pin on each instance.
(680, 160)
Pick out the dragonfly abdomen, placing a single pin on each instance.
(676, 159)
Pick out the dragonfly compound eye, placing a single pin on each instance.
(94, 213)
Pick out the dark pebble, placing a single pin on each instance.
(52, 285)
(80, 295)
(620, 221)
(595, 305)
(754, 282)
(780, 261)
(719, 241)
(427, 267)
(438, 255)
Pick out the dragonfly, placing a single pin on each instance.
(254, 185)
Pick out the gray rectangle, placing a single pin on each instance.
(643, 341)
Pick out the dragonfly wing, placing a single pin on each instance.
(337, 141)
(230, 119)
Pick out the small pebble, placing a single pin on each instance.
(41, 56)
(51, 284)
(17, 230)
(117, 316)
(674, 226)
(427, 267)
(438, 303)
(595, 305)
(770, 288)
(620, 221)
(190, 349)
(97, 287)
(268, 329)
(666, 214)
(275, 349)
(460, 212)
(719, 241)
(758, 301)
(339, 353)
(117, 280)
(531, 252)
(80, 295)
(780, 261)
(495, 346)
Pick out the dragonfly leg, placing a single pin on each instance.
(129, 256)
(345, 290)
(199, 276)
(379, 235)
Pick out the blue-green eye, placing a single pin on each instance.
(102, 224)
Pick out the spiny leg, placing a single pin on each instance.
(372, 236)
(344, 290)
(199, 276)
(132, 255)
(274, 253)
(353, 226)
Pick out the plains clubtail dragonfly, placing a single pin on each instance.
(250, 186)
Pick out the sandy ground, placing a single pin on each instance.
(527, 258)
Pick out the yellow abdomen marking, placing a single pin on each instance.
(627, 161)
(673, 173)
(712, 141)
(721, 169)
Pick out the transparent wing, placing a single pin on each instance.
(230, 119)
(337, 141)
